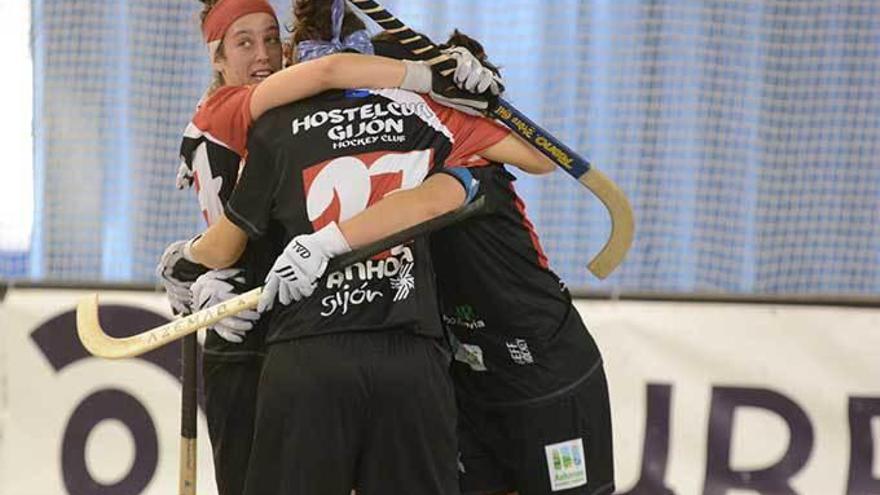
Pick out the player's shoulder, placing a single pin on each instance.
(224, 100)
(271, 124)
(282, 114)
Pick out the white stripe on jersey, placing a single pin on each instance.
(208, 185)
(429, 117)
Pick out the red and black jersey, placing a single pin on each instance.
(328, 158)
(212, 151)
(213, 146)
(521, 337)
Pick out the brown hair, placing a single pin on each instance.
(207, 5)
(312, 21)
(457, 38)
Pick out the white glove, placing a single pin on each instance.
(217, 286)
(177, 272)
(421, 78)
(471, 75)
(302, 262)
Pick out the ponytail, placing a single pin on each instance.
(313, 21)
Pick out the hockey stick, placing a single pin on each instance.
(188, 415)
(97, 342)
(620, 240)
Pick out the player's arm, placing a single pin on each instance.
(514, 150)
(339, 71)
(475, 135)
(307, 256)
(440, 193)
(220, 246)
(222, 243)
(248, 210)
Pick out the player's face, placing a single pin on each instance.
(251, 50)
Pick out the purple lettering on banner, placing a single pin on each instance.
(655, 450)
(861, 454)
(57, 340)
(772, 480)
(97, 407)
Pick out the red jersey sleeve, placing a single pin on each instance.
(471, 134)
(226, 116)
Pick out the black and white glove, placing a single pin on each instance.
(471, 75)
(302, 262)
(185, 176)
(178, 272)
(217, 286)
(472, 88)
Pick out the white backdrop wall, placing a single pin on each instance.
(744, 133)
(709, 399)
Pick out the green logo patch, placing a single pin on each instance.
(566, 464)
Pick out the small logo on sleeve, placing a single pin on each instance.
(519, 352)
(566, 464)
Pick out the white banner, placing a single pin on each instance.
(738, 399)
(75, 424)
(742, 399)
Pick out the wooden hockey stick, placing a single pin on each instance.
(622, 225)
(97, 342)
(189, 406)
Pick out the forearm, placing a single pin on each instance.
(220, 246)
(437, 195)
(349, 70)
(517, 152)
(339, 71)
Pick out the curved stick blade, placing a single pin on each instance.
(98, 343)
(88, 327)
(622, 223)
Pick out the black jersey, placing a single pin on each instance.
(328, 158)
(520, 336)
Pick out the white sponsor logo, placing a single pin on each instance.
(367, 133)
(464, 316)
(471, 355)
(364, 125)
(348, 297)
(460, 322)
(399, 261)
(352, 281)
(403, 283)
(519, 352)
(566, 464)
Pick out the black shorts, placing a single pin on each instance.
(370, 411)
(558, 445)
(231, 374)
(230, 402)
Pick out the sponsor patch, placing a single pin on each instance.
(471, 355)
(519, 352)
(464, 317)
(566, 464)
(356, 284)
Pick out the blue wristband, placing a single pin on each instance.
(467, 180)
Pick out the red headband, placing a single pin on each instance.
(226, 12)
